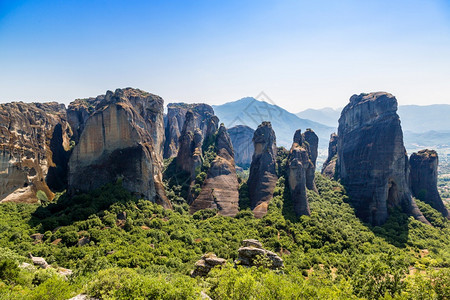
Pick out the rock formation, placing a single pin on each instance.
(176, 117)
(372, 160)
(79, 111)
(329, 166)
(34, 149)
(241, 137)
(423, 179)
(204, 265)
(220, 189)
(123, 139)
(301, 169)
(263, 177)
(252, 253)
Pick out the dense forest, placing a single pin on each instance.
(120, 247)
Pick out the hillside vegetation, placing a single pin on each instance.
(135, 249)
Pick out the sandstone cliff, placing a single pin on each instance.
(329, 166)
(79, 111)
(122, 139)
(372, 160)
(220, 189)
(241, 137)
(301, 168)
(34, 145)
(423, 179)
(263, 177)
(176, 117)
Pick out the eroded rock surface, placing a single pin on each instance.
(220, 189)
(176, 117)
(329, 166)
(206, 263)
(263, 176)
(372, 160)
(79, 111)
(301, 169)
(123, 139)
(253, 254)
(241, 137)
(34, 149)
(423, 178)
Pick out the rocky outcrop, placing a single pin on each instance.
(79, 111)
(329, 166)
(122, 140)
(220, 189)
(263, 176)
(372, 160)
(423, 179)
(253, 254)
(176, 117)
(241, 137)
(34, 149)
(301, 169)
(312, 145)
(206, 263)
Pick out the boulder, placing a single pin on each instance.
(122, 140)
(371, 158)
(34, 150)
(250, 256)
(206, 263)
(263, 176)
(423, 179)
(39, 261)
(241, 137)
(220, 189)
(329, 166)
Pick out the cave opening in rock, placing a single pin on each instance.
(392, 199)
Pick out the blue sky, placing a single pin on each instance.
(301, 53)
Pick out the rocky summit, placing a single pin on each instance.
(371, 158)
(423, 179)
(220, 189)
(241, 137)
(263, 176)
(34, 145)
(301, 169)
(122, 140)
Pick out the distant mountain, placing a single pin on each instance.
(327, 116)
(251, 112)
(417, 118)
(425, 126)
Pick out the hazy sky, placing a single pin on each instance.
(300, 53)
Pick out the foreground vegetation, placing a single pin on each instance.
(134, 249)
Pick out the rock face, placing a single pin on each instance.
(198, 130)
(253, 254)
(423, 178)
(204, 265)
(79, 111)
(329, 166)
(372, 160)
(241, 137)
(176, 117)
(34, 149)
(220, 189)
(263, 177)
(301, 168)
(123, 139)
